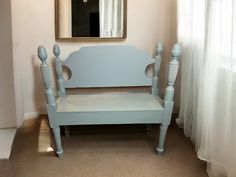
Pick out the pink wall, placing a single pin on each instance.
(7, 100)
(33, 24)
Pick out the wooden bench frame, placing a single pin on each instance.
(57, 119)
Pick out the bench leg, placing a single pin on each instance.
(148, 128)
(162, 136)
(67, 131)
(57, 137)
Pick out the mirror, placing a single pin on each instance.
(90, 19)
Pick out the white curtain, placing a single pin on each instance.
(111, 18)
(207, 31)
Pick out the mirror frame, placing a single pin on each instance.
(89, 39)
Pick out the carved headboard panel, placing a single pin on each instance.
(108, 66)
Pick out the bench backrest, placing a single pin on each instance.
(108, 66)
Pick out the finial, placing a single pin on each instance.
(42, 54)
(56, 50)
(176, 50)
(160, 48)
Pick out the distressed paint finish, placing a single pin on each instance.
(110, 108)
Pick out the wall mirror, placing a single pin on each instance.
(90, 19)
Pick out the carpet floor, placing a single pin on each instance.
(100, 151)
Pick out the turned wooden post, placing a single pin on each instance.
(60, 79)
(45, 71)
(58, 65)
(169, 95)
(173, 70)
(155, 80)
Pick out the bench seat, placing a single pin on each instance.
(114, 101)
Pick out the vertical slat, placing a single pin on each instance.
(60, 80)
(45, 71)
(155, 80)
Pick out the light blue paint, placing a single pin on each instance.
(59, 73)
(155, 79)
(109, 66)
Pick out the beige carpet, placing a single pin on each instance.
(101, 151)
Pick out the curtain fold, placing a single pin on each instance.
(111, 18)
(207, 31)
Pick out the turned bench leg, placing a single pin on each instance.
(57, 137)
(162, 136)
(169, 95)
(148, 128)
(67, 131)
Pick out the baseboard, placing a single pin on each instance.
(31, 115)
(6, 140)
(34, 115)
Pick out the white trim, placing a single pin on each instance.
(34, 115)
(31, 115)
(6, 140)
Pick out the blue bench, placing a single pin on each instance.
(108, 67)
